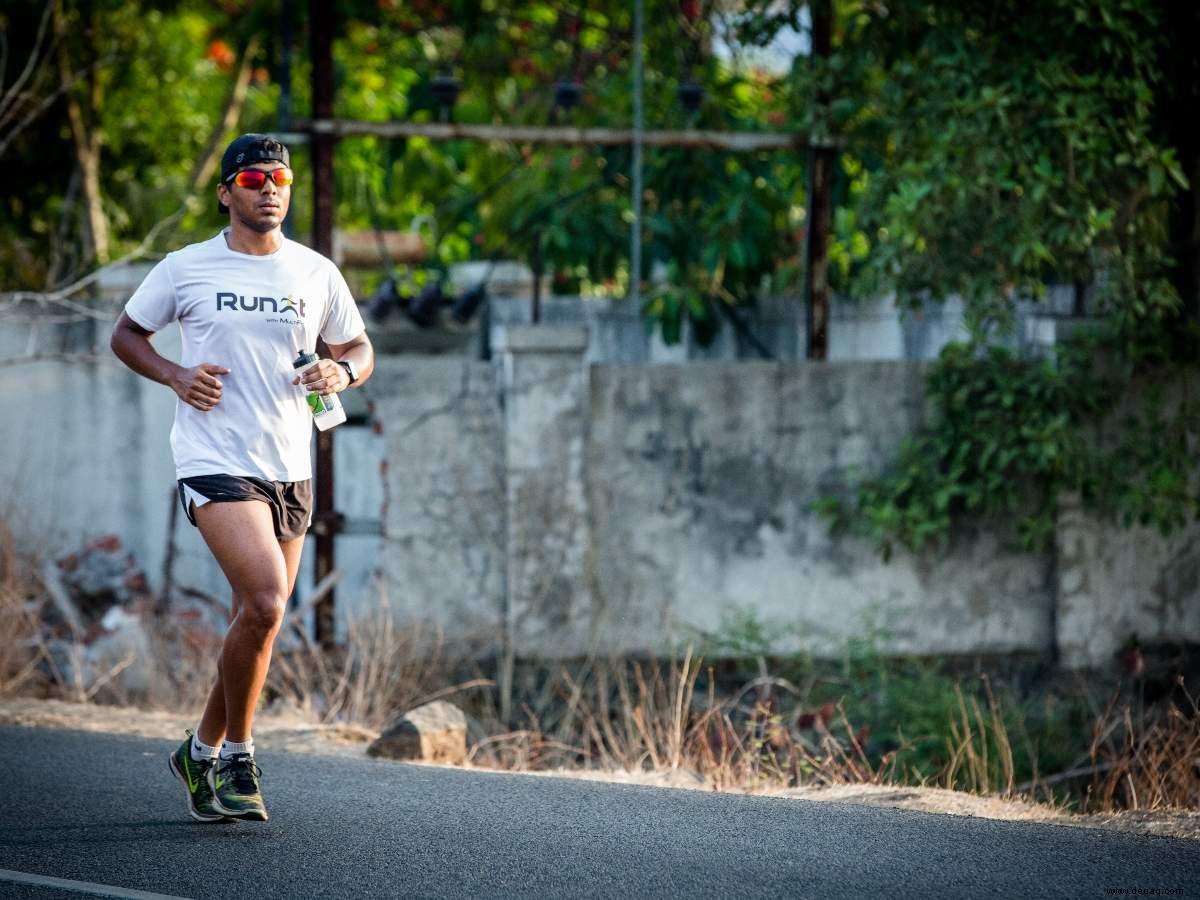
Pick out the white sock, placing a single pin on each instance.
(232, 748)
(200, 750)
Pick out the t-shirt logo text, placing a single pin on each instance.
(226, 300)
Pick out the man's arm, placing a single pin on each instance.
(326, 376)
(197, 386)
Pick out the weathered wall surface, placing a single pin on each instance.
(1115, 582)
(702, 477)
(545, 433)
(86, 451)
(441, 493)
(537, 505)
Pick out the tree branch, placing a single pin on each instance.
(87, 147)
(11, 94)
(234, 102)
(47, 101)
(201, 172)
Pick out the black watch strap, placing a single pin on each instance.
(350, 373)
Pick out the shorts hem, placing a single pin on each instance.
(290, 503)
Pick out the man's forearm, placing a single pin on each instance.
(136, 351)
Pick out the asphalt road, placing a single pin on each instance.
(102, 810)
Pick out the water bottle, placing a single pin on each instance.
(326, 408)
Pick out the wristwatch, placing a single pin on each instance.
(350, 370)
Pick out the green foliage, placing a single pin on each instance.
(1007, 435)
(989, 149)
(742, 636)
(996, 147)
(719, 223)
(915, 708)
(153, 79)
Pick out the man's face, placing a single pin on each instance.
(259, 209)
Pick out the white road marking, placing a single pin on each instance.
(82, 887)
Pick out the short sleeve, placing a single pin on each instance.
(153, 304)
(343, 322)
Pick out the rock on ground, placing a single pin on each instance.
(435, 732)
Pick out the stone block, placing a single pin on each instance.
(435, 732)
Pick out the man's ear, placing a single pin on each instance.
(223, 193)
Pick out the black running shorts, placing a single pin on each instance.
(291, 502)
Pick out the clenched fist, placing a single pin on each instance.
(199, 386)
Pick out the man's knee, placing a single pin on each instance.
(262, 610)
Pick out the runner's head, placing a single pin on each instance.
(256, 182)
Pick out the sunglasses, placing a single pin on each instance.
(255, 178)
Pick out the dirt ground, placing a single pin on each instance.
(290, 730)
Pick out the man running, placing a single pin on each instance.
(246, 300)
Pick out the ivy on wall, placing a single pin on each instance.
(1007, 435)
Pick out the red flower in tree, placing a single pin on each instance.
(221, 53)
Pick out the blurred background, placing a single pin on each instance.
(846, 345)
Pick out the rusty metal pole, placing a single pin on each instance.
(324, 517)
(821, 159)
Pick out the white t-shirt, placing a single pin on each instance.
(250, 314)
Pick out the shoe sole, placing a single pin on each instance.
(199, 817)
(248, 815)
(252, 815)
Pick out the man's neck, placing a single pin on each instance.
(255, 243)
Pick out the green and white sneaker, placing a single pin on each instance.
(194, 776)
(235, 789)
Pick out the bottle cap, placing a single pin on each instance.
(304, 358)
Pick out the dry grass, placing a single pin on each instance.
(981, 758)
(1147, 761)
(641, 716)
(636, 716)
(382, 670)
(20, 645)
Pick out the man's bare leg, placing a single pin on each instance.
(241, 537)
(212, 727)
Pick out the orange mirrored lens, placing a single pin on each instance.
(255, 179)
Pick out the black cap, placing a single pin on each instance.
(247, 150)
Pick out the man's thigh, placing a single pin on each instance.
(241, 536)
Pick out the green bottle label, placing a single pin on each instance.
(315, 403)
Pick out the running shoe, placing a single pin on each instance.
(194, 776)
(235, 790)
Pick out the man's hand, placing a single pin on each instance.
(324, 376)
(199, 386)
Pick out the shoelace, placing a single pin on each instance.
(243, 772)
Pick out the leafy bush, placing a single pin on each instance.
(1008, 434)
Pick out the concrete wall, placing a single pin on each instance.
(627, 508)
(541, 505)
(441, 493)
(86, 451)
(1115, 582)
(702, 479)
